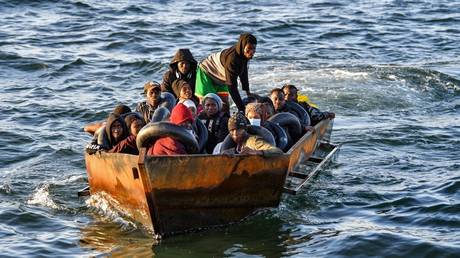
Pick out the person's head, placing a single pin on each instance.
(212, 104)
(246, 45)
(183, 66)
(134, 123)
(254, 112)
(183, 62)
(237, 126)
(121, 109)
(152, 91)
(182, 89)
(190, 105)
(250, 99)
(277, 98)
(181, 116)
(115, 128)
(267, 107)
(290, 92)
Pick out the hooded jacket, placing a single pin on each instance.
(173, 73)
(236, 65)
(110, 120)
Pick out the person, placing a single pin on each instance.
(279, 104)
(152, 91)
(246, 143)
(290, 92)
(191, 106)
(214, 119)
(183, 66)
(257, 114)
(184, 92)
(134, 123)
(120, 109)
(115, 129)
(218, 73)
(181, 116)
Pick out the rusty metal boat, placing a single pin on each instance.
(176, 194)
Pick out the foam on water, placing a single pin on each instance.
(108, 208)
(41, 197)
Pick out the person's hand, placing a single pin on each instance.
(93, 148)
(331, 115)
(309, 129)
(249, 151)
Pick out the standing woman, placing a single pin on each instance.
(218, 73)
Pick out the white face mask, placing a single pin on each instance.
(255, 121)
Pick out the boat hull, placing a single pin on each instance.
(176, 194)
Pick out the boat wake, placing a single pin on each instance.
(104, 205)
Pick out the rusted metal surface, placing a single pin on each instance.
(112, 173)
(174, 194)
(200, 191)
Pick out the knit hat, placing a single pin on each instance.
(177, 86)
(151, 84)
(214, 97)
(121, 109)
(237, 121)
(180, 114)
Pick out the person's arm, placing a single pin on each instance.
(231, 74)
(245, 81)
(259, 144)
(233, 89)
(166, 83)
(92, 128)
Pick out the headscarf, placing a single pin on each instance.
(214, 97)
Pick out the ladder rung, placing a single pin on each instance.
(289, 191)
(298, 174)
(315, 159)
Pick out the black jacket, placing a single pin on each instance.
(236, 65)
(173, 73)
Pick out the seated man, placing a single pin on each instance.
(134, 123)
(280, 105)
(183, 66)
(246, 143)
(152, 93)
(290, 92)
(214, 119)
(181, 116)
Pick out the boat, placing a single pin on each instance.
(170, 195)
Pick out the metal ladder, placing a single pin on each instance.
(322, 155)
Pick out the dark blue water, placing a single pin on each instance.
(389, 69)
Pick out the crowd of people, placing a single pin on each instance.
(200, 93)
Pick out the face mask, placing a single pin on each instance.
(255, 121)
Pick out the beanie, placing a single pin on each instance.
(180, 114)
(237, 121)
